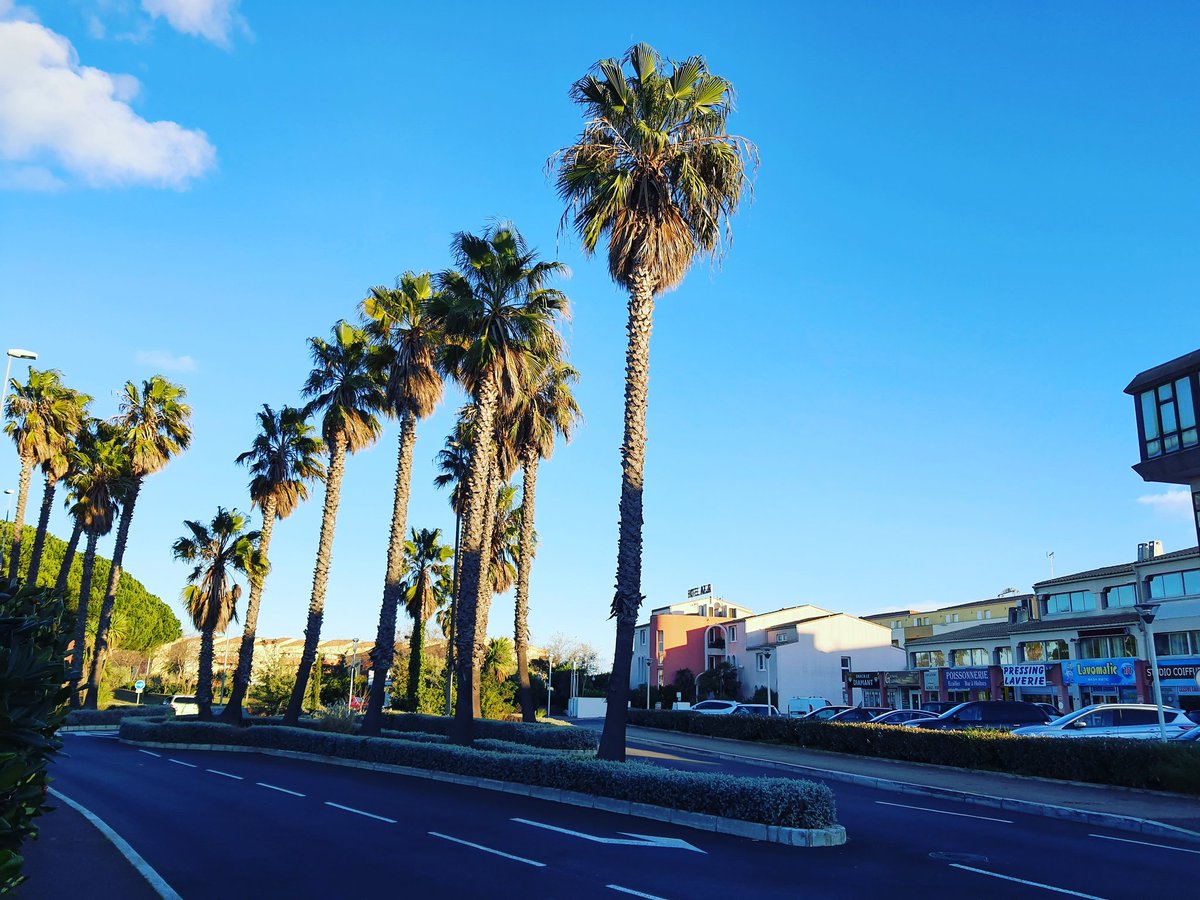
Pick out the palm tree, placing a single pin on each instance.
(498, 661)
(154, 424)
(343, 389)
(71, 412)
(407, 345)
(42, 414)
(425, 590)
(498, 315)
(503, 535)
(453, 462)
(283, 459)
(546, 409)
(218, 553)
(98, 481)
(657, 173)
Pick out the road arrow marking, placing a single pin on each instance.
(639, 840)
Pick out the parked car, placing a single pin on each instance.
(715, 707)
(937, 707)
(1051, 710)
(901, 716)
(860, 713)
(802, 706)
(824, 714)
(184, 705)
(1002, 715)
(755, 709)
(1124, 720)
(1192, 734)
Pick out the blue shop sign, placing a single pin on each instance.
(967, 678)
(1177, 672)
(1118, 671)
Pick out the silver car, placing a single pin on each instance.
(1123, 720)
(715, 707)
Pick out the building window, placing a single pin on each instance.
(1168, 417)
(660, 676)
(762, 661)
(1122, 595)
(845, 664)
(987, 614)
(1043, 651)
(732, 631)
(1175, 584)
(1107, 647)
(1177, 643)
(928, 659)
(1075, 601)
(1004, 656)
(660, 641)
(976, 656)
(643, 637)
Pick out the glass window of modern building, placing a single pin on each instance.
(1168, 417)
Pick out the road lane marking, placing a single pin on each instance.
(625, 890)
(281, 790)
(1038, 884)
(179, 762)
(150, 753)
(225, 774)
(360, 812)
(944, 812)
(639, 840)
(156, 881)
(528, 862)
(1107, 837)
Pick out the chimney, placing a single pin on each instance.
(1153, 549)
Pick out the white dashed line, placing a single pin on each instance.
(1108, 837)
(179, 762)
(281, 790)
(225, 774)
(944, 812)
(625, 890)
(150, 753)
(528, 862)
(360, 812)
(1037, 884)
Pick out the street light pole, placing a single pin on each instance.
(14, 353)
(353, 669)
(8, 495)
(1146, 613)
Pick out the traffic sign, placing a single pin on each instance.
(139, 685)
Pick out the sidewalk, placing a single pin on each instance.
(1147, 812)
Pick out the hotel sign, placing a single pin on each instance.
(699, 591)
(1029, 675)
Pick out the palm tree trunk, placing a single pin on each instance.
(473, 550)
(205, 674)
(245, 663)
(384, 651)
(64, 572)
(483, 603)
(316, 604)
(100, 653)
(85, 598)
(39, 539)
(416, 645)
(18, 528)
(453, 610)
(524, 563)
(628, 597)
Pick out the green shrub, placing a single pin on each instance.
(774, 801)
(114, 714)
(553, 737)
(1172, 766)
(33, 646)
(338, 717)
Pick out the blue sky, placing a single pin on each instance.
(973, 224)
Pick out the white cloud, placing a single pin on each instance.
(1176, 501)
(165, 362)
(212, 20)
(56, 113)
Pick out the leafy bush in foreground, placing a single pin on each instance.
(773, 801)
(553, 737)
(1173, 766)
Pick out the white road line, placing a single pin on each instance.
(179, 762)
(944, 812)
(226, 774)
(625, 890)
(281, 790)
(164, 890)
(1038, 884)
(1108, 837)
(150, 753)
(360, 812)
(528, 862)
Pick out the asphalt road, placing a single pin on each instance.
(212, 822)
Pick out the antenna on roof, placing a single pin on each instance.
(1050, 556)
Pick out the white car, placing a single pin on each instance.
(184, 705)
(755, 709)
(1123, 720)
(715, 707)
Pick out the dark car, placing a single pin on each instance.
(937, 707)
(824, 714)
(860, 714)
(1001, 715)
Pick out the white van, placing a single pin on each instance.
(802, 706)
(184, 705)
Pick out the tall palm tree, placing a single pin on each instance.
(498, 661)
(218, 552)
(453, 461)
(425, 590)
(657, 173)
(42, 416)
(71, 412)
(283, 459)
(98, 481)
(342, 387)
(407, 343)
(545, 410)
(498, 315)
(155, 426)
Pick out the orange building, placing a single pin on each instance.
(694, 635)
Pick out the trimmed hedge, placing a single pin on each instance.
(115, 714)
(535, 734)
(1173, 766)
(774, 801)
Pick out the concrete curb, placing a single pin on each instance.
(1029, 807)
(67, 729)
(793, 837)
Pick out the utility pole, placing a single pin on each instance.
(353, 669)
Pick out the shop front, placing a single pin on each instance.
(1113, 680)
(965, 683)
(1180, 679)
(1035, 683)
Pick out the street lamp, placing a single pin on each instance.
(353, 669)
(1146, 613)
(14, 353)
(768, 653)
